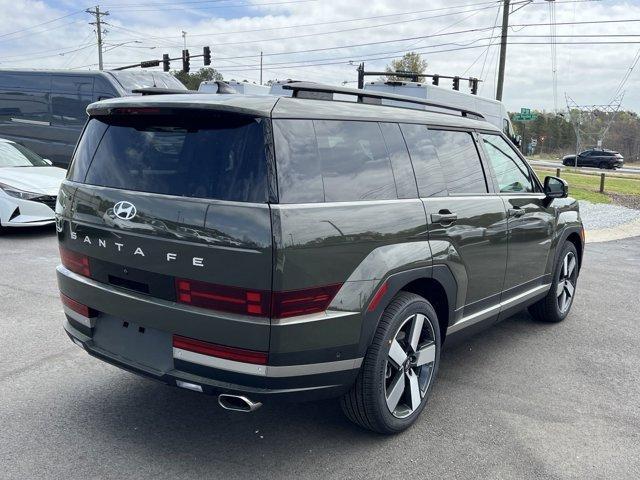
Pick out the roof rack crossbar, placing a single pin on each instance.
(362, 94)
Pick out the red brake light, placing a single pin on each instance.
(76, 262)
(77, 306)
(220, 297)
(220, 351)
(303, 302)
(136, 111)
(257, 303)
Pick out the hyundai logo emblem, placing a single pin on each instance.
(125, 210)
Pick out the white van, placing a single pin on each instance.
(244, 88)
(494, 111)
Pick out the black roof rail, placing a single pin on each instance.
(160, 91)
(319, 88)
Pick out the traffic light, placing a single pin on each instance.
(165, 62)
(436, 79)
(456, 83)
(185, 61)
(206, 53)
(473, 83)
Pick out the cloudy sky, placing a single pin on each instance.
(323, 40)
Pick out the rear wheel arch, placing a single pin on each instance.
(436, 284)
(434, 292)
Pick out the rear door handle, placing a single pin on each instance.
(516, 212)
(443, 217)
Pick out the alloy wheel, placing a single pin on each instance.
(410, 365)
(567, 282)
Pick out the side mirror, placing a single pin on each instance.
(555, 187)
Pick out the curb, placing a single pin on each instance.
(626, 230)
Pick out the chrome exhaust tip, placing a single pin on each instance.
(237, 403)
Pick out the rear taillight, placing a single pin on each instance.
(302, 302)
(74, 261)
(223, 298)
(77, 306)
(258, 303)
(220, 351)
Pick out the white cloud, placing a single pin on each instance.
(588, 73)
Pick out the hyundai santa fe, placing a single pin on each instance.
(260, 248)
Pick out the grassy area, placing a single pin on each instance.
(587, 187)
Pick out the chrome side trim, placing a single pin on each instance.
(31, 122)
(266, 370)
(312, 317)
(488, 312)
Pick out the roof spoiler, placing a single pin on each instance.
(369, 96)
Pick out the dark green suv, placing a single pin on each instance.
(260, 248)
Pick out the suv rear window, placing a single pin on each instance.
(195, 156)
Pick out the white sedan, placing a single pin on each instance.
(29, 186)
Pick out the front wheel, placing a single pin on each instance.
(556, 305)
(399, 368)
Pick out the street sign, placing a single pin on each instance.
(525, 115)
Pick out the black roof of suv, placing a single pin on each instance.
(258, 248)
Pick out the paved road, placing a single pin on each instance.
(558, 163)
(521, 400)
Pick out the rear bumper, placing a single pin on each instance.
(214, 381)
(295, 374)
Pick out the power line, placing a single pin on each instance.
(40, 24)
(405, 39)
(239, 5)
(324, 62)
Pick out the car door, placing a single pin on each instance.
(531, 220)
(467, 225)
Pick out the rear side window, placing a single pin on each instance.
(332, 161)
(189, 156)
(460, 161)
(298, 165)
(400, 161)
(425, 161)
(355, 163)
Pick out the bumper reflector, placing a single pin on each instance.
(77, 306)
(189, 386)
(220, 351)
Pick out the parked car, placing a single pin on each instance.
(595, 157)
(308, 248)
(29, 186)
(45, 110)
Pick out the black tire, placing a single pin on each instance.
(549, 309)
(366, 403)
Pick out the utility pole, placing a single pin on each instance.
(184, 39)
(260, 67)
(98, 23)
(503, 49)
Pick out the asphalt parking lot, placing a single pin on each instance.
(520, 400)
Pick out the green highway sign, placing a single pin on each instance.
(525, 115)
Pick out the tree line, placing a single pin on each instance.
(555, 135)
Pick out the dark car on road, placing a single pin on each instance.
(45, 110)
(259, 248)
(595, 157)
